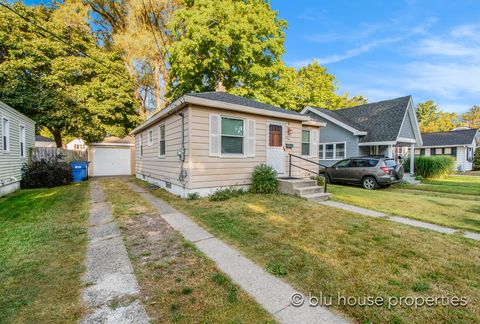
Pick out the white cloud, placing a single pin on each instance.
(423, 28)
(469, 31)
(442, 47)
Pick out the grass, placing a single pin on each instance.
(42, 249)
(452, 202)
(322, 249)
(178, 283)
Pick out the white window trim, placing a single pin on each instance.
(220, 134)
(23, 153)
(8, 150)
(309, 142)
(140, 146)
(162, 156)
(150, 137)
(334, 151)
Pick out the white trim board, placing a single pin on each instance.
(333, 120)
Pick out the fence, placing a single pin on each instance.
(47, 153)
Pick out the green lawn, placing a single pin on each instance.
(322, 249)
(442, 202)
(42, 248)
(178, 283)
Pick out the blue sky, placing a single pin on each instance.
(385, 49)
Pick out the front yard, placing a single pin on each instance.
(452, 202)
(42, 248)
(322, 249)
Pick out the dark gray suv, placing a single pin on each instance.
(371, 172)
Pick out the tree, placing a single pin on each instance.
(237, 44)
(58, 86)
(432, 119)
(472, 117)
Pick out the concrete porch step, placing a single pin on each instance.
(302, 191)
(321, 196)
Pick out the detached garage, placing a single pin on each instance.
(112, 157)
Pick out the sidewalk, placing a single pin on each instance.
(112, 291)
(402, 220)
(269, 291)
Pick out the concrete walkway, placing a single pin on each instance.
(269, 291)
(112, 291)
(402, 220)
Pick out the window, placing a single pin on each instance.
(275, 135)
(454, 152)
(78, 147)
(422, 152)
(438, 151)
(359, 163)
(232, 136)
(470, 154)
(305, 142)
(150, 137)
(5, 135)
(332, 151)
(390, 163)
(372, 163)
(342, 164)
(161, 140)
(141, 145)
(22, 142)
(447, 151)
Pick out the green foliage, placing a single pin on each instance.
(320, 180)
(264, 180)
(55, 85)
(432, 166)
(46, 173)
(419, 178)
(225, 194)
(472, 117)
(476, 161)
(432, 119)
(193, 196)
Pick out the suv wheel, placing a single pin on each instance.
(369, 183)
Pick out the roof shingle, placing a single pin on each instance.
(451, 138)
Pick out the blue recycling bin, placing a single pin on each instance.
(79, 170)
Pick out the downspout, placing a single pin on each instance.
(183, 172)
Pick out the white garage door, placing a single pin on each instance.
(108, 161)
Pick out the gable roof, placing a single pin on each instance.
(237, 100)
(451, 138)
(381, 120)
(40, 138)
(222, 100)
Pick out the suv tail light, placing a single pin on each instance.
(385, 169)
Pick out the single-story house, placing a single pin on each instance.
(112, 157)
(388, 128)
(203, 142)
(42, 141)
(459, 143)
(17, 137)
(77, 144)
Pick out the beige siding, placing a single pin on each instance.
(11, 162)
(211, 171)
(165, 168)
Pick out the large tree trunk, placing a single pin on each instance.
(57, 136)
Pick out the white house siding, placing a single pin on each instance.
(461, 162)
(165, 170)
(11, 162)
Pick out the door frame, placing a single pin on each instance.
(281, 148)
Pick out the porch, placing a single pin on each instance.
(396, 150)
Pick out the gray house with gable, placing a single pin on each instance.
(388, 128)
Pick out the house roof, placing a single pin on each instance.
(237, 100)
(381, 120)
(451, 138)
(222, 100)
(40, 138)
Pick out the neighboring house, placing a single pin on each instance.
(112, 156)
(206, 141)
(388, 128)
(459, 143)
(17, 137)
(42, 141)
(77, 145)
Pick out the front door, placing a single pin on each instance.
(275, 143)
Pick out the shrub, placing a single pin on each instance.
(193, 196)
(264, 180)
(432, 166)
(46, 173)
(225, 194)
(320, 180)
(476, 161)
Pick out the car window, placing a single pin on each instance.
(359, 163)
(390, 163)
(372, 163)
(342, 164)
